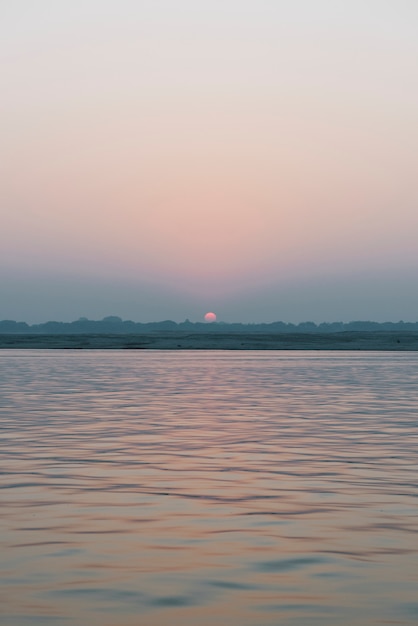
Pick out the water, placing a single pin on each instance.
(210, 488)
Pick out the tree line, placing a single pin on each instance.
(114, 324)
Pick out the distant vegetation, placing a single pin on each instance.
(116, 325)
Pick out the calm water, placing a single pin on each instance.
(212, 488)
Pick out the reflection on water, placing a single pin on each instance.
(233, 488)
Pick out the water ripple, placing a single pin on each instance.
(246, 488)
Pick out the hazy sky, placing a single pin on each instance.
(162, 158)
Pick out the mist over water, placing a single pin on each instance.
(187, 488)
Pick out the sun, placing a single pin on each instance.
(210, 317)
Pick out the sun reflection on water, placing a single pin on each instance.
(183, 488)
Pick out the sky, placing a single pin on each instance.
(164, 158)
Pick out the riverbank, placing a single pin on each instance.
(395, 341)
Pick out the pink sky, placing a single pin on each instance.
(209, 149)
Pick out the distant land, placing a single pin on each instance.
(113, 333)
(116, 325)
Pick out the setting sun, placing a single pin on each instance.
(210, 317)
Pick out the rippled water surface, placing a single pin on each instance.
(212, 488)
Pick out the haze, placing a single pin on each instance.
(165, 158)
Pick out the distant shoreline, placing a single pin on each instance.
(182, 340)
